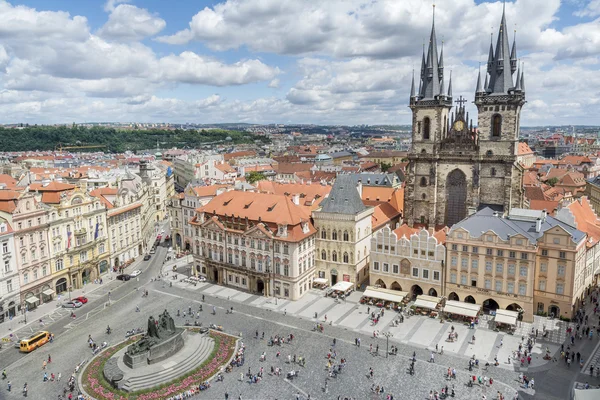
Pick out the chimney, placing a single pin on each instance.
(359, 188)
(296, 199)
(538, 225)
(545, 214)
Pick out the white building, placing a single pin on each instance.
(9, 273)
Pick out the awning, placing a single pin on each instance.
(342, 286)
(461, 308)
(384, 294)
(320, 281)
(506, 317)
(429, 302)
(583, 394)
(32, 300)
(48, 292)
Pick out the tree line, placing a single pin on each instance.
(116, 140)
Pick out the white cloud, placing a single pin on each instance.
(129, 23)
(592, 9)
(111, 4)
(274, 84)
(189, 67)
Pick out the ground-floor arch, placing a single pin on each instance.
(380, 283)
(470, 299)
(490, 305)
(453, 296)
(395, 286)
(260, 286)
(415, 291)
(432, 292)
(554, 311)
(61, 285)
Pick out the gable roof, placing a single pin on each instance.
(524, 149)
(343, 198)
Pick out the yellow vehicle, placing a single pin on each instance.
(34, 341)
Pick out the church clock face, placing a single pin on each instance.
(458, 126)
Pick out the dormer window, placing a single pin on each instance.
(282, 230)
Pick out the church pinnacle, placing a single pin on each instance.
(502, 62)
(432, 69)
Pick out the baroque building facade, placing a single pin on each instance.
(344, 226)
(262, 243)
(455, 169)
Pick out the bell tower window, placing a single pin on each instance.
(496, 126)
(426, 128)
(423, 181)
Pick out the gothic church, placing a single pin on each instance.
(454, 168)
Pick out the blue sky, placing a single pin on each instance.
(280, 61)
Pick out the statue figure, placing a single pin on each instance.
(152, 328)
(475, 176)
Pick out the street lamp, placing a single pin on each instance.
(25, 311)
(387, 335)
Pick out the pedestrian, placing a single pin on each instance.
(226, 396)
(44, 364)
(592, 370)
(8, 386)
(431, 359)
(49, 359)
(58, 377)
(501, 342)
(371, 372)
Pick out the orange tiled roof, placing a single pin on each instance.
(102, 192)
(205, 191)
(586, 219)
(225, 168)
(53, 186)
(575, 160)
(8, 200)
(549, 205)
(239, 154)
(524, 149)
(121, 210)
(383, 214)
(310, 195)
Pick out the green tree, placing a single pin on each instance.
(253, 177)
(384, 166)
(552, 181)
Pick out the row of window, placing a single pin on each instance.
(415, 272)
(499, 285)
(334, 256)
(334, 235)
(511, 268)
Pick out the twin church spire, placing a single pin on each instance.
(431, 82)
(501, 66)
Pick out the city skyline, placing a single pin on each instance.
(281, 61)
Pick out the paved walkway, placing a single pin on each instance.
(417, 331)
(48, 312)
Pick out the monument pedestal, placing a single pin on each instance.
(158, 351)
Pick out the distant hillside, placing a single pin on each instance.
(50, 137)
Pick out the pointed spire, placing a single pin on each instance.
(431, 80)
(478, 89)
(412, 86)
(513, 54)
(501, 76)
(423, 62)
(490, 63)
(442, 88)
(486, 84)
(523, 77)
(441, 62)
(450, 86)
(518, 81)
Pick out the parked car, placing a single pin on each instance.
(72, 304)
(135, 273)
(147, 257)
(152, 250)
(202, 278)
(123, 277)
(81, 299)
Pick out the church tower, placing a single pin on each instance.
(499, 104)
(430, 114)
(455, 169)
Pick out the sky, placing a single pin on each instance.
(341, 62)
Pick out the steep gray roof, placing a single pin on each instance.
(375, 179)
(502, 63)
(506, 227)
(343, 198)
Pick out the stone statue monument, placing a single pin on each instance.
(161, 340)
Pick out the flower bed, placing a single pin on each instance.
(97, 387)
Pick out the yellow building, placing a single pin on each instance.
(526, 260)
(78, 249)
